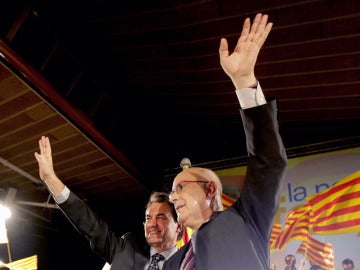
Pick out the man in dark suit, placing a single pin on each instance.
(237, 238)
(162, 230)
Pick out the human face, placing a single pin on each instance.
(191, 199)
(348, 266)
(161, 230)
(290, 260)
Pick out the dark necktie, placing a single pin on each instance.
(154, 261)
(189, 259)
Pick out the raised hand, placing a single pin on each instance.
(240, 64)
(46, 168)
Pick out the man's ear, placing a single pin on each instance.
(211, 190)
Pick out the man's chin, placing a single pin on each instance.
(152, 240)
(181, 219)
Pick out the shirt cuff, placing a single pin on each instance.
(63, 196)
(250, 97)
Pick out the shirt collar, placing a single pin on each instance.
(167, 253)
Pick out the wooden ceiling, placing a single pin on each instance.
(126, 91)
(92, 170)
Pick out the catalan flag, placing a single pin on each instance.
(186, 237)
(296, 227)
(275, 232)
(336, 210)
(318, 253)
(29, 263)
(226, 201)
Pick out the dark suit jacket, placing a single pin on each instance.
(121, 252)
(238, 238)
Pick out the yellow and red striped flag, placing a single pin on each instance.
(318, 253)
(336, 210)
(275, 232)
(296, 226)
(29, 263)
(226, 201)
(185, 238)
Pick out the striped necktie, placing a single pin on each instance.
(154, 261)
(189, 259)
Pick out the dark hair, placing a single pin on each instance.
(348, 261)
(163, 197)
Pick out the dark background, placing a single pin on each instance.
(147, 75)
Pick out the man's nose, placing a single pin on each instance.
(173, 197)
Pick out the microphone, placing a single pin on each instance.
(185, 163)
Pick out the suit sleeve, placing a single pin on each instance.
(260, 195)
(102, 240)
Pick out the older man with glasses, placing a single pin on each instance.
(237, 238)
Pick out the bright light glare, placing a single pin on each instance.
(5, 212)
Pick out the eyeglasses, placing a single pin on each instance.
(180, 186)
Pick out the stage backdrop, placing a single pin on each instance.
(308, 176)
